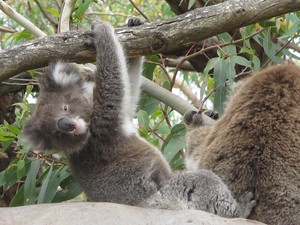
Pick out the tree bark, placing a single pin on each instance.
(158, 37)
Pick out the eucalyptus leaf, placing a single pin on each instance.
(30, 190)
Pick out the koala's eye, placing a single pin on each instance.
(65, 108)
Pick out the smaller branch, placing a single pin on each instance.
(187, 91)
(46, 15)
(140, 11)
(7, 29)
(206, 97)
(66, 12)
(175, 74)
(16, 84)
(108, 14)
(170, 99)
(212, 47)
(289, 45)
(21, 20)
(283, 47)
(169, 62)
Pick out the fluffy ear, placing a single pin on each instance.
(59, 75)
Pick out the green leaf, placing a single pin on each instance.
(70, 189)
(241, 60)
(149, 68)
(28, 90)
(174, 142)
(225, 37)
(10, 175)
(210, 65)
(30, 190)
(255, 63)
(82, 7)
(271, 49)
(143, 120)
(2, 179)
(44, 186)
(220, 73)
(53, 12)
(18, 199)
(49, 186)
(20, 168)
(249, 51)
(148, 104)
(13, 129)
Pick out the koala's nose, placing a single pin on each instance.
(66, 125)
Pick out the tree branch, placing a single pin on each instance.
(154, 38)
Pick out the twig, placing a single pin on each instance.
(108, 14)
(21, 20)
(140, 11)
(283, 47)
(19, 84)
(206, 97)
(45, 13)
(7, 29)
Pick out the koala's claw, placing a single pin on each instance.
(212, 114)
(246, 204)
(132, 22)
(89, 40)
(193, 118)
(188, 117)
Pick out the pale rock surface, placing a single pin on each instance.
(90, 213)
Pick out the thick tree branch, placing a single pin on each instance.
(154, 38)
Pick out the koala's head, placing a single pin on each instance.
(63, 111)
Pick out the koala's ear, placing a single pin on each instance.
(60, 75)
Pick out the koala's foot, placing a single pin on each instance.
(133, 22)
(192, 118)
(212, 114)
(89, 41)
(246, 204)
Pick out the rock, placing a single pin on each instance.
(89, 213)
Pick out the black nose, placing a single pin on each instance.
(66, 125)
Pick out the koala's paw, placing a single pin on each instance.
(246, 203)
(212, 114)
(101, 26)
(133, 22)
(192, 118)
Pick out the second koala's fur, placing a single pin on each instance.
(255, 145)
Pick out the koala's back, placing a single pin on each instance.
(255, 146)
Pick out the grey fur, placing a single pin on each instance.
(111, 164)
(201, 190)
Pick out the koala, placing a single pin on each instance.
(255, 145)
(202, 190)
(92, 124)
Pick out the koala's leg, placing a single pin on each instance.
(201, 190)
(134, 66)
(196, 136)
